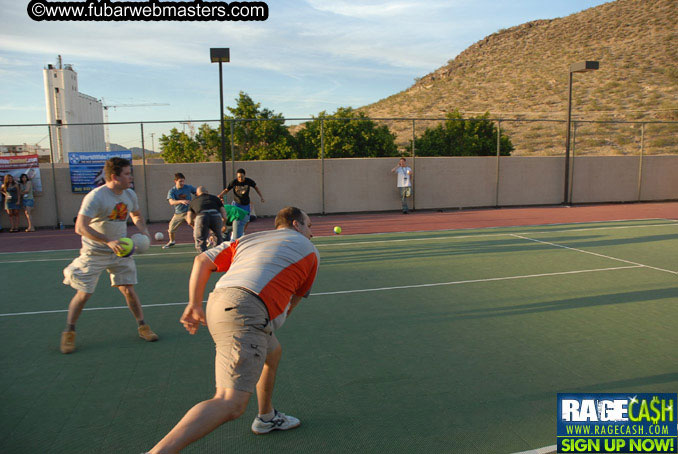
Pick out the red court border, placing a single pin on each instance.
(385, 222)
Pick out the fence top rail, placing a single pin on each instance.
(230, 120)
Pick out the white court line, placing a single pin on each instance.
(402, 240)
(58, 311)
(68, 259)
(545, 450)
(471, 281)
(595, 253)
(668, 222)
(485, 235)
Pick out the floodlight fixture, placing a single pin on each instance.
(221, 55)
(579, 67)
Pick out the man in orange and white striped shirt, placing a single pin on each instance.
(267, 274)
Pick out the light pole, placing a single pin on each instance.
(221, 55)
(579, 67)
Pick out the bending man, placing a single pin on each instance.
(267, 274)
(205, 213)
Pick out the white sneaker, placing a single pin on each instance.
(169, 245)
(280, 421)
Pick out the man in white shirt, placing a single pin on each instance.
(404, 173)
(101, 222)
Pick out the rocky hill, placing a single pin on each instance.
(522, 73)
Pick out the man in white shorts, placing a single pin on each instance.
(101, 222)
(267, 274)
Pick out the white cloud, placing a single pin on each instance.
(344, 8)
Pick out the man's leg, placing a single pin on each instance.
(170, 231)
(75, 308)
(239, 227)
(132, 300)
(266, 382)
(403, 198)
(200, 231)
(174, 224)
(134, 306)
(215, 226)
(226, 405)
(270, 419)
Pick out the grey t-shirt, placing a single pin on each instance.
(109, 212)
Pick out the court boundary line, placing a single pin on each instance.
(343, 292)
(594, 253)
(481, 235)
(668, 222)
(62, 259)
(398, 240)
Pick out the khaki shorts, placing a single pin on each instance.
(83, 273)
(176, 221)
(239, 325)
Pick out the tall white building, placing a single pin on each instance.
(66, 106)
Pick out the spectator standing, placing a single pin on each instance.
(404, 183)
(205, 214)
(27, 200)
(12, 192)
(179, 196)
(241, 198)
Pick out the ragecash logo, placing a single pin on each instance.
(617, 422)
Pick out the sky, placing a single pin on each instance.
(308, 56)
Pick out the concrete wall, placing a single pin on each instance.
(353, 185)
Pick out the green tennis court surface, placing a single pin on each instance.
(453, 341)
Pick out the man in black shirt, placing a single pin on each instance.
(241, 195)
(205, 213)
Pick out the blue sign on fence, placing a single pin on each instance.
(87, 169)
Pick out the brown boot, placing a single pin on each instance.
(67, 342)
(146, 334)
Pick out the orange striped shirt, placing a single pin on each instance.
(275, 265)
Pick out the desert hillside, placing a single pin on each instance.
(522, 73)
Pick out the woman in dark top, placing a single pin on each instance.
(10, 189)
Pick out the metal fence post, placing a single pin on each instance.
(322, 162)
(496, 196)
(574, 145)
(414, 196)
(640, 160)
(54, 186)
(143, 164)
(232, 149)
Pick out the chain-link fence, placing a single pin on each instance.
(641, 160)
(315, 138)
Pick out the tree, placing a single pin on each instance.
(463, 137)
(348, 134)
(265, 138)
(209, 140)
(180, 147)
(258, 134)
